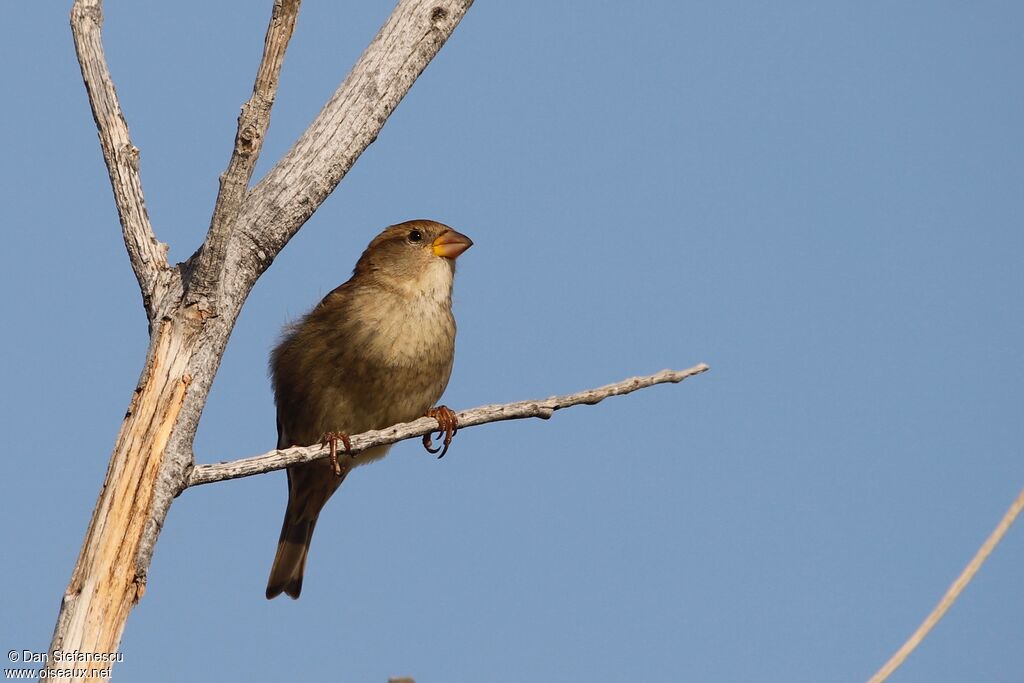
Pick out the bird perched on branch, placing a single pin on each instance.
(376, 351)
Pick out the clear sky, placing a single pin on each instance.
(821, 200)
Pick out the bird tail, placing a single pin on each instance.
(290, 561)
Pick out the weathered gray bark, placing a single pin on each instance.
(192, 307)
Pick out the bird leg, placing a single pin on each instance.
(448, 425)
(331, 439)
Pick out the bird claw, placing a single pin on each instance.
(331, 439)
(448, 425)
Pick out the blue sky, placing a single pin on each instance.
(821, 200)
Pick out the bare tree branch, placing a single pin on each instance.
(953, 592)
(542, 408)
(148, 256)
(252, 127)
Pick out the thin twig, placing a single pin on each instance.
(147, 256)
(542, 408)
(953, 592)
(253, 122)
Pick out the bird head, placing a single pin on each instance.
(415, 254)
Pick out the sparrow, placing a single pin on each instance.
(376, 351)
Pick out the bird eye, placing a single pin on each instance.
(415, 236)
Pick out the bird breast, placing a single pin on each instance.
(412, 320)
(402, 351)
(414, 332)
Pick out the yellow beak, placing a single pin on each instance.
(450, 244)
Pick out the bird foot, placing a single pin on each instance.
(448, 425)
(331, 439)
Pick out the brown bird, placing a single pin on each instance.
(375, 351)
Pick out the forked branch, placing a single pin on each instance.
(542, 408)
(148, 256)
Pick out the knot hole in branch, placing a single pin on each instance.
(248, 139)
(438, 14)
(130, 153)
